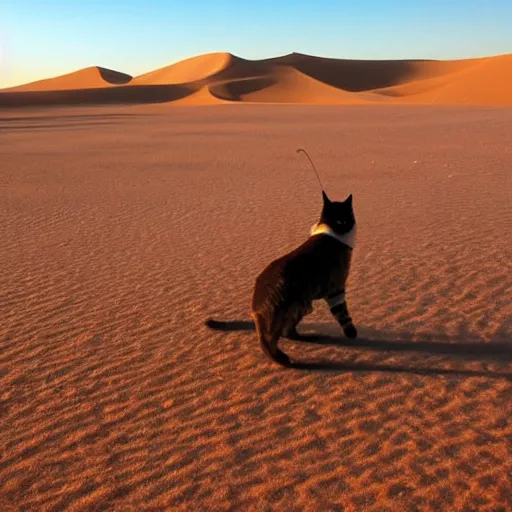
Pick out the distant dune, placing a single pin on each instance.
(88, 78)
(189, 70)
(295, 78)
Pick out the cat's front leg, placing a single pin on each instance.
(339, 309)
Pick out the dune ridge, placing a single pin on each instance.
(188, 70)
(87, 78)
(216, 78)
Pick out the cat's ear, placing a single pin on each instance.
(326, 199)
(349, 200)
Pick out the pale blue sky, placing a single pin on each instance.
(43, 38)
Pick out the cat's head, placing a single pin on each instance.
(339, 216)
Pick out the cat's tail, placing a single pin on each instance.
(230, 325)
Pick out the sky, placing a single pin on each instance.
(45, 38)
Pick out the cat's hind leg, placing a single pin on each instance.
(290, 330)
(269, 340)
(278, 355)
(261, 330)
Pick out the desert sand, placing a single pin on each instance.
(126, 230)
(89, 78)
(216, 78)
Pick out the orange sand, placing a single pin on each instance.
(125, 229)
(189, 70)
(294, 78)
(88, 78)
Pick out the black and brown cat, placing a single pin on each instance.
(318, 269)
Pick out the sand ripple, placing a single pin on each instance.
(123, 231)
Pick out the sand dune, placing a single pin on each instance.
(294, 78)
(125, 229)
(189, 70)
(202, 96)
(365, 75)
(487, 83)
(285, 85)
(88, 78)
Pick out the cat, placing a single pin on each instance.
(318, 269)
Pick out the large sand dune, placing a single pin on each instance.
(123, 230)
(295, 78)
(189, 70)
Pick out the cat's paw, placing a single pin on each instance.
(350, 331)
(282, 359)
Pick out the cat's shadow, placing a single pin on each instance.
(456, 351)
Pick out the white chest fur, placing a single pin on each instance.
(347, 239)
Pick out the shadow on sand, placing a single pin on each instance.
(488, 352)
(114, 95)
